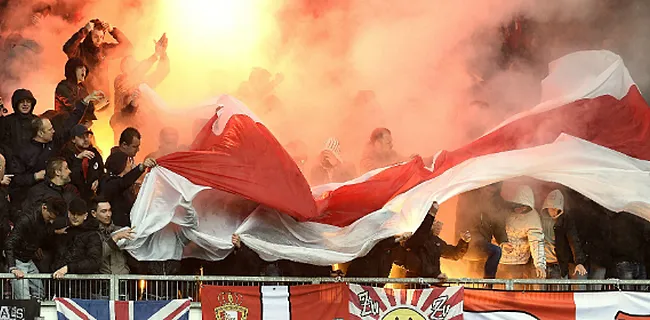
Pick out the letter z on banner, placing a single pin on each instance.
(417, 304)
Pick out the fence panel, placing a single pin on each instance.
(148, 287)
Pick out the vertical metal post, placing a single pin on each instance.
(114, 283)
(510, 285)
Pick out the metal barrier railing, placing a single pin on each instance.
(152, 287)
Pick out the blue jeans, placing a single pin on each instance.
(26, 289)
(492, 263)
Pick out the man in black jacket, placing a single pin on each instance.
(425, 248)
(79, 249)
(84, 161)
(30, 164)
(56, 184)
(117, 185)
(25, 239)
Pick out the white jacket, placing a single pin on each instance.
(524, 232)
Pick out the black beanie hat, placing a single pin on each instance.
(116, 162)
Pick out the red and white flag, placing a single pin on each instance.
(591, 133)
(317, 302)
(370, 303)
(502, 305)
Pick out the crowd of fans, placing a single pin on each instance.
(63, 208)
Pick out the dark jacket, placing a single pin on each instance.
(33, 157)
(568, 247)
(83, 179)
(119, 192)
(593, 229)
(630, 235)
(46, 189)
(80, 46)
(16, 128)
(378, 262)
(424, 251)
(27, 236)
(247, 262)
(484, 218)
(68, 92)
(80, 248)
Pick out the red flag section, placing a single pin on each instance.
(235, 152)
(245, 159)
(622, 125)
(325, 301)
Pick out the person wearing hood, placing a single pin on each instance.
(79, 249)
(524, 230)
(69, 91)
(16, 128)
(563, 248)
(72, 88)
(85, 162)
(88, 45)
(30, 163)
(331, 167)
(117, 185)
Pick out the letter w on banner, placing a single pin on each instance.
(418, 304)
(326, 302)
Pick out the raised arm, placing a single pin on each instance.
(71, 47)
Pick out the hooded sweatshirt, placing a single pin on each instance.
(561, 241)
(524, 231)
(68, 91)
(16, 128)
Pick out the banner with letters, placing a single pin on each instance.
(19, 309)
(368, 303)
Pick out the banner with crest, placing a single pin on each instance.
(325, 301)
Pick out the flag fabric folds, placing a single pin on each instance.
(591, 133)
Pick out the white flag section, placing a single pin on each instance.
(370, 303)
(177, 218)
(169, 211)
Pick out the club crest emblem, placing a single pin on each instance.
(231, 307)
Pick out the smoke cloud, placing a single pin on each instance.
(347, 66)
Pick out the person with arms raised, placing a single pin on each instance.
(88, 45)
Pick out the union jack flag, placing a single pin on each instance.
(75, 309)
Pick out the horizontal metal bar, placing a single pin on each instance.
(189, 278)
(67, 276)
